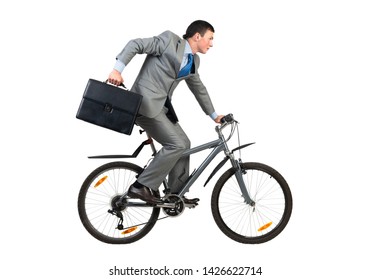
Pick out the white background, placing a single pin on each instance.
(296, 74)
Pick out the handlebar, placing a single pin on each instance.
(225, 121)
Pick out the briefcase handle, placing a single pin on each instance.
(121, 85)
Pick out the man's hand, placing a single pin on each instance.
(115, 78)
(218, 118)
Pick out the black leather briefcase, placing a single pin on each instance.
(109, 106)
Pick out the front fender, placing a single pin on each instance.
(243, 146)
(216, 169)
(220, 165)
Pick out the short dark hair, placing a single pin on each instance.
(198, 26)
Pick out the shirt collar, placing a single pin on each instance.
(187, 48)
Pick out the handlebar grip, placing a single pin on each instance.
(228, 118)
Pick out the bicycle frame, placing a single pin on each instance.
(217, 145)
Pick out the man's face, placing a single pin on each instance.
(205, 42)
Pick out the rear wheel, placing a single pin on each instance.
(97, 205)
(258, 223)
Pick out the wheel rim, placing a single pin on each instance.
(252, 222)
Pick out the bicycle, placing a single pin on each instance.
(251, 202)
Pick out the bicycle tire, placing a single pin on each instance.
(96, 195)
(252, 224)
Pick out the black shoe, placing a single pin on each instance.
(143, 193)
(190, 200)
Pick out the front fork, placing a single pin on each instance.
(237, 167)
(238, 174)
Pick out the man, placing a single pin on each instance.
(169, 60)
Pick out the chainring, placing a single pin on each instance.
(179, 205)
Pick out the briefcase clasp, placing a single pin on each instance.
(108, 108)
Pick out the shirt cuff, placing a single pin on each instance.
(214, 115)
(119, 66)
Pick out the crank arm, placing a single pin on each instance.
(145, 204)
(165, 205)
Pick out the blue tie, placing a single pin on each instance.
(187, 68)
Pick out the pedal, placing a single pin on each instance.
(190, 205)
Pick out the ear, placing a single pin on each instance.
(197, 36)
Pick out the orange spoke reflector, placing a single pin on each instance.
(129, 230)
(265, 226)
(100, 181)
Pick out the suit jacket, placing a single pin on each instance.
(157, 78)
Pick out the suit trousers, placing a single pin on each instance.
(168, 160)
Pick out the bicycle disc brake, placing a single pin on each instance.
(177, 209)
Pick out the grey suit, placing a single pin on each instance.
(156, 82)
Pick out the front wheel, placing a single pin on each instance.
(97, 200)
(266, 218)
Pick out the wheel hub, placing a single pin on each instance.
(118, 203)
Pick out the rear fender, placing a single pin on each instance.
(134, 155)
